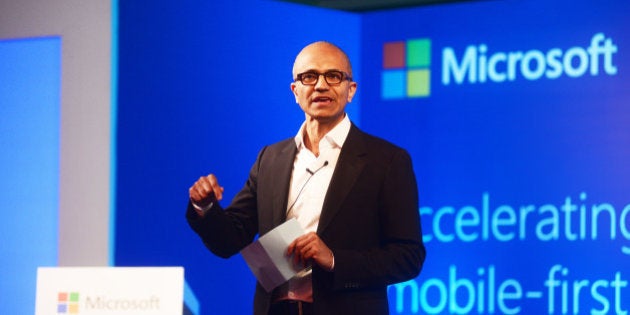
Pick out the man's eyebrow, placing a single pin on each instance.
(314, 70)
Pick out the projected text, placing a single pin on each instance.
(479, 65)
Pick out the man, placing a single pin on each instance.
(355, 195)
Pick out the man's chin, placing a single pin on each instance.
(326, 118)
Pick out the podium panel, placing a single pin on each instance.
(110, 290)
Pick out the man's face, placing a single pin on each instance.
(322, 101)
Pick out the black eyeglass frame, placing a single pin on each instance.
(344, 77)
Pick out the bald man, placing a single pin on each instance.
(355, 195)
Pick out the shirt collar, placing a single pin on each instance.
(336, 136)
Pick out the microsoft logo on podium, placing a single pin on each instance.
(68, 303)
(406, 69)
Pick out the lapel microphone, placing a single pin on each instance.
(307, 180)
(317, 170)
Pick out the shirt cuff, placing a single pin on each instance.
(332, 266)
(201, 209)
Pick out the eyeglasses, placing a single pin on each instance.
(332, 77)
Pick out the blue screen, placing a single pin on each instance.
(30, 72)
(516, 114)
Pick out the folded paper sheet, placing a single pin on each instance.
(267, 259)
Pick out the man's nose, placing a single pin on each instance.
(321, 82)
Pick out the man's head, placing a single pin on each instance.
(323, 82)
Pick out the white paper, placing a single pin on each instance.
(267, 259)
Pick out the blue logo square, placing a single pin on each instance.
(393, 84)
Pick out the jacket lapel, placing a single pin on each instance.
(283, 167)
(350, 164)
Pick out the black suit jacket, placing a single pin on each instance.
(369, 220)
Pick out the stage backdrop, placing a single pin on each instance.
(203, 85)
(515, 113)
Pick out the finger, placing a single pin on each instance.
(212, 185)
(300, 251)
(209, 185)
(205, 185)
(297, 257)
(197, 192)
(307, 256)
(291, 248)
(307, 238)
(205, 190)
(302, 248)
(304, 241)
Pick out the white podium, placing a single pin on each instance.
(110, 290)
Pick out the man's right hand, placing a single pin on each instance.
(205, 191)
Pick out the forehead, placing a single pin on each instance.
(321, 58)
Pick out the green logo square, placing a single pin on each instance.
(74, 296)
(418, 83)
(418, 53)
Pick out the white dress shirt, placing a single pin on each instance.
(309, 183)
(312, 174)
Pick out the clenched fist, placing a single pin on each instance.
(205, 191)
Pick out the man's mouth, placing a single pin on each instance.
(322, 99)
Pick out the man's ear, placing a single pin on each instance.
(294, 90)
(351, 91)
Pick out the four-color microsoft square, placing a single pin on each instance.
(68, 303)
(406, 69)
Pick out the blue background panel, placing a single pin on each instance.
(30, 73)
(203, 86)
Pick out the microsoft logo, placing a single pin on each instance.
(68, 303)
(406, 69)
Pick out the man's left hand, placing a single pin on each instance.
(309, 247)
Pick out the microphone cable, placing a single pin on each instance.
(304, 185)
